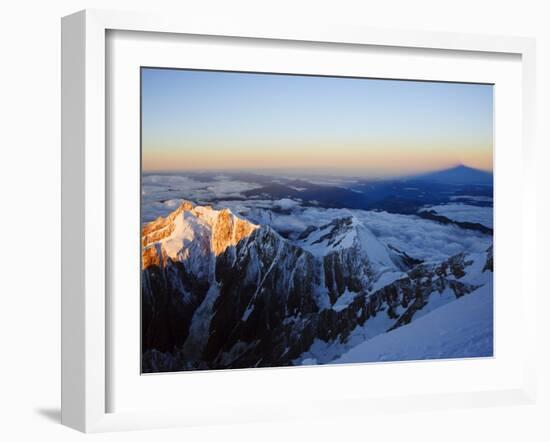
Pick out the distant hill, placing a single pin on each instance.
(457, 175)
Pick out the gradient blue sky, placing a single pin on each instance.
(222, 120)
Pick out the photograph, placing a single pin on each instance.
(300, 219)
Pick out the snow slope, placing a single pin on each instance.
(462, 328)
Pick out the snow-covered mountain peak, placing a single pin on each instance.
(338, 234)
(347, 233)
(192, 231)
(228, 230)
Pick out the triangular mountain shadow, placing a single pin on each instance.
(460, 174)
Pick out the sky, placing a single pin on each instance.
(211, 120)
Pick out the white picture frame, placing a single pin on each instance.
(85, 308)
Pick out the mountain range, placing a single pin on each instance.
(219, 291)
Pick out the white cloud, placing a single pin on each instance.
(286, 204)
(422, 238)
(161, 192)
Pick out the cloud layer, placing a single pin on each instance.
(420, 238)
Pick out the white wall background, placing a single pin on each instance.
(30, 214)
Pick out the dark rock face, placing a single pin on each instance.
(259, 305)
(262, 282)
(343, 271)
(170, 296)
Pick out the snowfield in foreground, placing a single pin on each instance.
(460, 329)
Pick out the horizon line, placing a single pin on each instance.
(316, 170)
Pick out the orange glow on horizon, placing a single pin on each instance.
(383, 161)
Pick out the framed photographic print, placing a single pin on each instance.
(297, 220)
(273, 221)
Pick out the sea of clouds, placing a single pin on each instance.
(420, 238)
